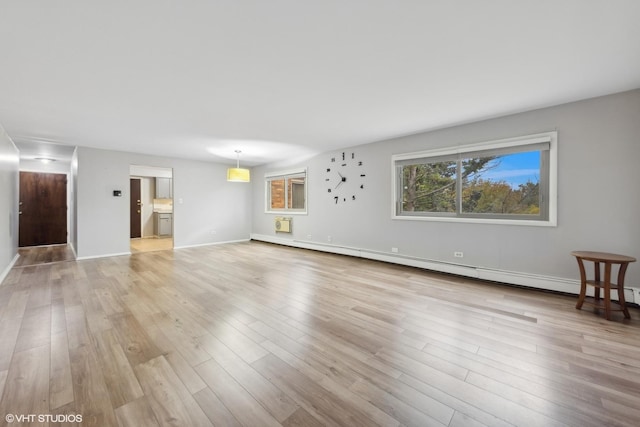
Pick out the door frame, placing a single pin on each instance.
(67, 191)
(137, 171)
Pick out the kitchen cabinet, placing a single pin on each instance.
(163, 224)
(164, 188)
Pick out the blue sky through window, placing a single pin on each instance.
(515, 169)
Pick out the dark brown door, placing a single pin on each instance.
(43, 209)
(136, 205)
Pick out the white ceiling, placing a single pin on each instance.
(281, 79)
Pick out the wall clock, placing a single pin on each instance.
(345, 177)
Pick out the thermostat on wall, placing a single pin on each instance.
(117, 193)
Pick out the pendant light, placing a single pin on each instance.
(238, 174)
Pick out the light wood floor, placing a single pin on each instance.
(151, 244)
(253, 334)
(43, 254)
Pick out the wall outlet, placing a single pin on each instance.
(329, 239)
(458, 254)
(394, 250)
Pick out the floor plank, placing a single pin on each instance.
(43, 255)
(137, 413)
(60, 383)
(36, 328)
(218, 414)
(244, 407)
(279, 405)
(169, 399)
(91, 396)
(329, 407)
(3, 379)
(26, 389)
(121, 382)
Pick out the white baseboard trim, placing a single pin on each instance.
(82, 258)
(211, 244)
(550, 283)
(6, 271)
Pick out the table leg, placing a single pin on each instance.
(607, 290)
(596, 273)
(621, 300)
(583, 284)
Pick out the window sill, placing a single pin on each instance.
(287, 213)
(521, 222)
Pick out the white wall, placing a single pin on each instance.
(9, 182)
(204, 202)
(31, 165)
(598, 207)
(149, 171)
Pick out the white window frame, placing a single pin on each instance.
(287, 174)
(551, 199)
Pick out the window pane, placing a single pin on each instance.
(286, 192)
(296, 193)
(509, 180)
(277, 193)
(502, 184)
(429, 187)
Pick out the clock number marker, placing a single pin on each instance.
(361, 185)
(336, 199)
(353, 155)
(343, 155)
(328, 190)
(333, 159)
(359, 163)
(362, 175)
(353, 197)
(328, 169)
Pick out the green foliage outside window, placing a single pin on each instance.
(433, 187)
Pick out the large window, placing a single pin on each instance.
(286, 191)
(508, 181)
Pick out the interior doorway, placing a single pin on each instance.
(151, 208)
(43, 209)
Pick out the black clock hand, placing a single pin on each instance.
(342, 179)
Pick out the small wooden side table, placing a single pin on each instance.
(608, 260)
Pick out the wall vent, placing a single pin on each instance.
(283, 225)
